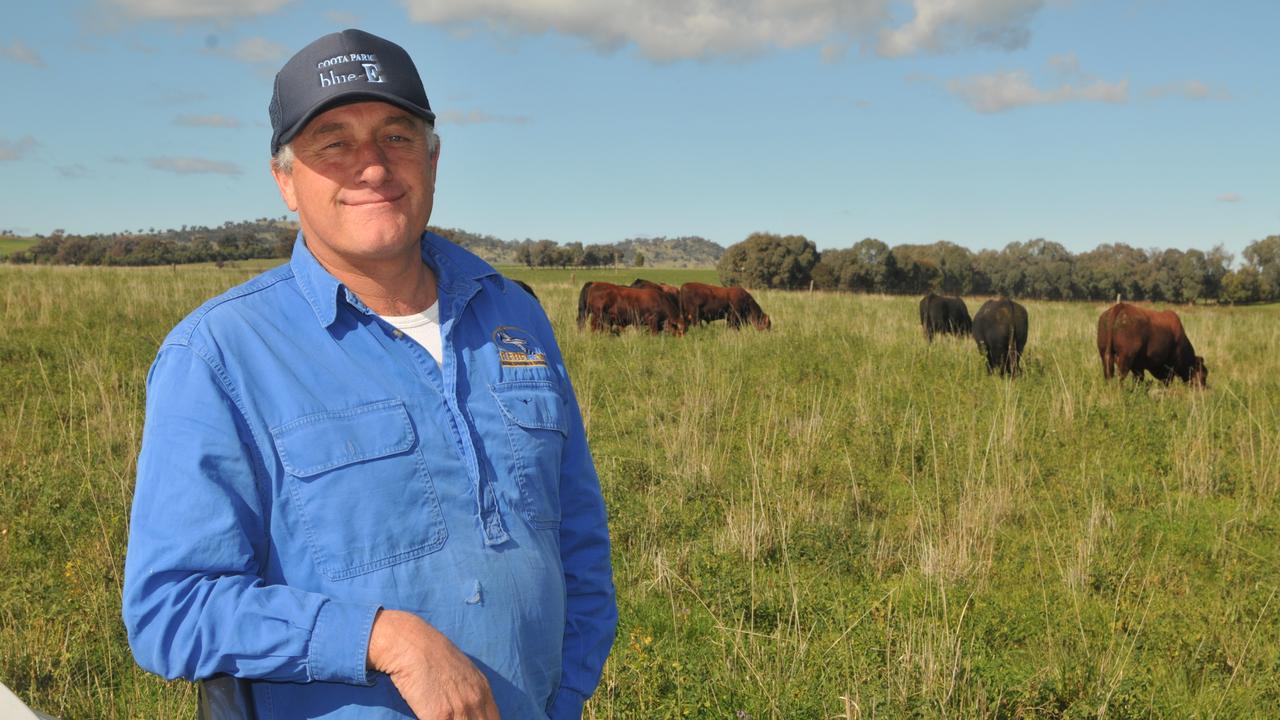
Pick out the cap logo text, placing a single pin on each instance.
(353, 57)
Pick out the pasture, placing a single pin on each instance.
(833, 519)
(10, 244)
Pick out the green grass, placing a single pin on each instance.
(14, 244)
(833, 519)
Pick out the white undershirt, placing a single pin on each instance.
(423, 327)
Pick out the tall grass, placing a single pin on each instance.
(834, 519)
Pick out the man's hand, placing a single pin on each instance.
(437, 680)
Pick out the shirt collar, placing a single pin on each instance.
(457, 273)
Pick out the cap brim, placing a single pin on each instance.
(355, 96)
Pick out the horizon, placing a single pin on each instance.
(978, 123)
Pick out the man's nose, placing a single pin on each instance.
(372, 163)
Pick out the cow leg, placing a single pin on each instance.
(1125, 366)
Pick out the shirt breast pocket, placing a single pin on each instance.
(534, 417)
(361, 487)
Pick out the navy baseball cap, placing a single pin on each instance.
(340, 68)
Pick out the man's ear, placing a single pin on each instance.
(284, 181)
(435, 162)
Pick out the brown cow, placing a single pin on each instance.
(671, 290)
(616, 306)
(1132, 339)
(702, 303)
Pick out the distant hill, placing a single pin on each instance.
(689, 251)
(685, 252)
(273, 237)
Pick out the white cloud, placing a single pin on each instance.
(1190, 90)
(218, 121)
(478, 117)
(20, 52)
(945, 25)
(1230, 197)
(193, 166)
(1005, 91)
(18, 149)
(195, 9)
(667, 30)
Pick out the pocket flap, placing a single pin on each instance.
(328, 440)
(531, 404)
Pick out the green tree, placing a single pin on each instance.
(769, 260)
(942, 266)
(873, 267)
(1264, 257)
(826, 273)
(1241, 286)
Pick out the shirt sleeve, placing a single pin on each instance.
(591, 601)
(194, 603)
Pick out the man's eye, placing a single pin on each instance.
(334, 145)
(397, 138)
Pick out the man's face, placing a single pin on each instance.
(362, 183)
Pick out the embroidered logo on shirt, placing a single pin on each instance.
(518, 348)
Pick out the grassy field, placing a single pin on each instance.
(833, 519)
(14, 244)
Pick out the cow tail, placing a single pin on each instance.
(582, 305)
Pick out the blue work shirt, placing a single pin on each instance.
(304, 464)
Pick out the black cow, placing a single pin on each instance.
(1000, 329)
(943, 314)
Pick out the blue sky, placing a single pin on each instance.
(980, 122)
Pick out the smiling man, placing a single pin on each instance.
(364, 489)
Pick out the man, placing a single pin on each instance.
(364, 488)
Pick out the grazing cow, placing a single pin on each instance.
(943, 314)
(702, 303)
(1132, 339)
(1000, 329)
(671, 290)
(614, 307)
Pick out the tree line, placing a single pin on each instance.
(273, 238)
(1037, 269)
(262, 238)
(685, 251)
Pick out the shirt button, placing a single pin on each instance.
(398, 334)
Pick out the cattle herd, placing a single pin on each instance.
(1131, 340)
(666, 308)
